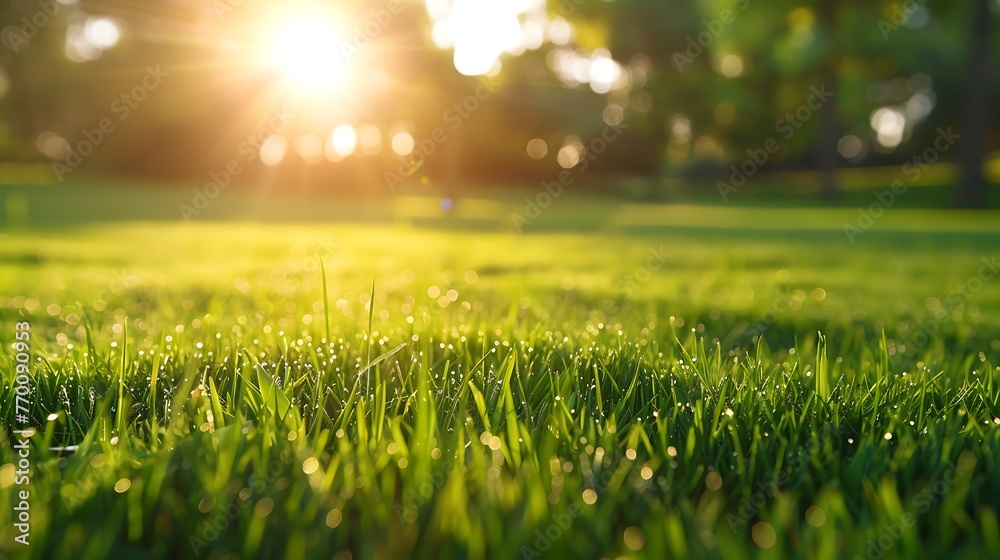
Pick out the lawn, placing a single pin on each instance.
(619, 380)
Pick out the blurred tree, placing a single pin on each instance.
(829, 133)
(978, 82)
(711, 80)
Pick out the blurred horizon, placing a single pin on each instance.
(442, 97)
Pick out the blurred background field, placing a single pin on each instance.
(727, 265)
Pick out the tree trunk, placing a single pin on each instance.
(828, 138)
(829, 133)
(972, 189)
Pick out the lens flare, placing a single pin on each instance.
(308, 52)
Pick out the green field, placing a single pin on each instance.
(620, 380)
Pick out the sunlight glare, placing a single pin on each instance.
(483, 30)
(308, 52)
(345, 140)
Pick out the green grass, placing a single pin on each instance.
(506, 385)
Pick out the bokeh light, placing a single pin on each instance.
(537, 148)
(560, 32)
(480, 31)
(102, 32)
(889, 124)
(53, 145)
(731, 66)
(344, 140)
(613, 115)
(850, 146)
(272, 150)
(402, 143)
(571, 153)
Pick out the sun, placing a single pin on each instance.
(307, 51)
